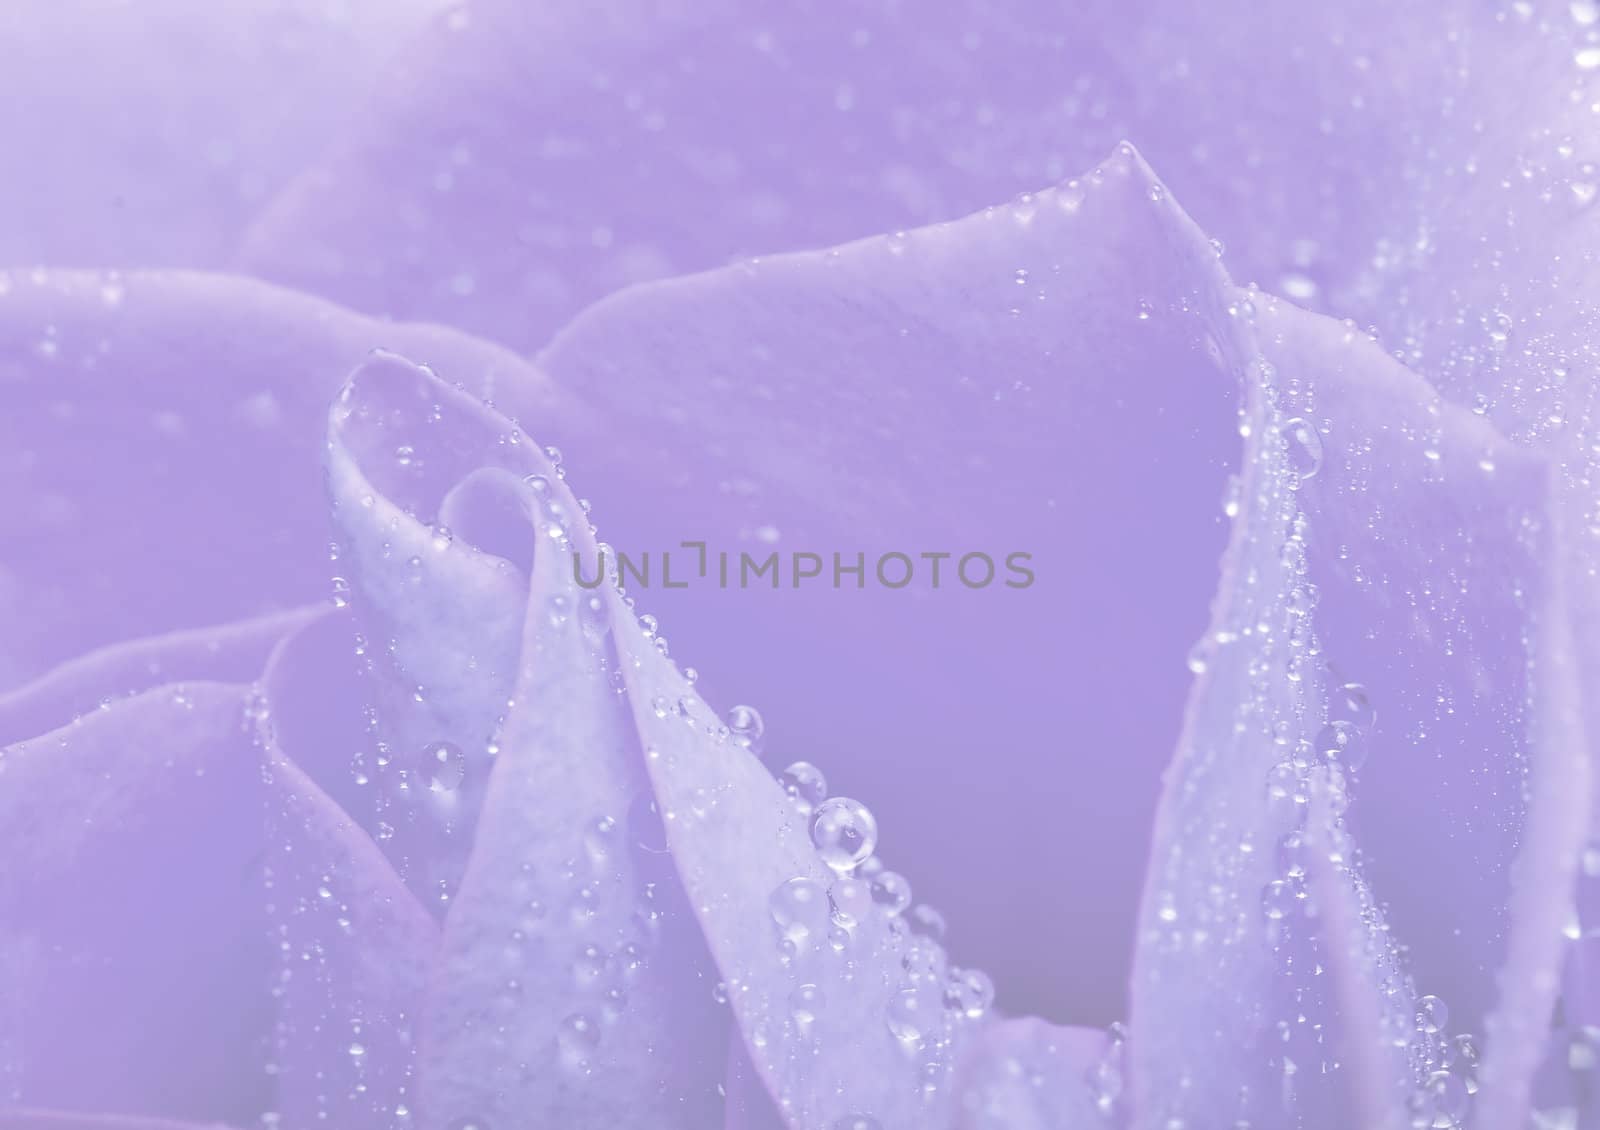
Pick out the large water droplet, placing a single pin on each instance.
(444, 767)
(1350, 703)
(1432, 1014)
(852, 901)
(577, 1038)
(969, 992)
(844, 833)
(805, 784)
(1341, 742)
(892, 891)
(805, 1005)
(909, 1016)
(746, 726)
(1305, 447)
(800, 908)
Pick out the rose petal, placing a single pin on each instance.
(1415, 512)
(61, 1120)
(559, 906)
(136, 965)
(1476, 697)
(354, 945)
(988, 386)
(232, 653)
(521, 164)
(563, 804)
(142, 414)
(150, 133)
(1029, 1075)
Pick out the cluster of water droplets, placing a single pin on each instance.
(863, 914)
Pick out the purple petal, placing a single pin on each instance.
(61, 1120)
(141, 823)
(150, 133)
(572, 896)
(1029, 1075)
(143, 412)
(232, 653)
(979, 387)
(354, 946)
(1400, 493)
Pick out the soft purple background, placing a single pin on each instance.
(218, 212)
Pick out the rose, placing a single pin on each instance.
(1477, 588)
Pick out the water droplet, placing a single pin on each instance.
(468, 1123)
(1341, 742)
(852, 901)
(805, 1005)
(1292, 855)
(443, 767)
(1350, 703)
(1280, 898)
(844, 832)
(1305, 447)
(892, 891)
(747, 727)
(924, 961)
(800, 908)
(927, 921)
(1447, 1095)
(645, 827)
(1432, 1015)
(1288, 794)
(1584, 12)
(969, 992)
(806, 786)
(578, 1037)
(1587, 58)
(856, 1122)
(909, 1016)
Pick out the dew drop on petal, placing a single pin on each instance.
(1351, 703)
(892, 891)
(844, 832)
(1432, 1014)
(1341, 742)
(805, 1005)
(856, 1122)
(1305, 447)
(805, 784)
(908, 1016)
(852, 901)
(969, 992)
(800, 908)
(577, 1039)
(927, 921)
(444, 766)
(747, 727)
(1292, 855)
(1279, 899)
